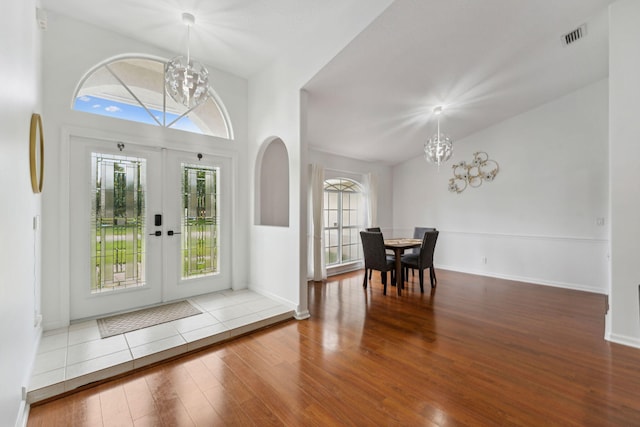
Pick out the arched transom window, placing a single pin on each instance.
(132, 89)
(343, 219)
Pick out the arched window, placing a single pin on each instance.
(132, 88)
(343, 220)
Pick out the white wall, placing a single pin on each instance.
(537, 221)
(276, 109)
(20, 57)
(624, 70)
(71, 48)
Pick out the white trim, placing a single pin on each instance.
(63, 230)
(624, 340)
(302, 315)
(108, 61)
(155, 142)
(525, 236)
(345, 268)
(23, 414)
(523, 279)
(268, 294)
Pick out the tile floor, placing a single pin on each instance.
(75, 356)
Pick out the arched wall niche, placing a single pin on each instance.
(272, 184)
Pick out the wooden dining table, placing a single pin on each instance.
(398, 246)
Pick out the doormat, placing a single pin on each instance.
(127, 322)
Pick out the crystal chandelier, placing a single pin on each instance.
(186, 81)
(438, 148)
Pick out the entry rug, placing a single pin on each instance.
(127, 322)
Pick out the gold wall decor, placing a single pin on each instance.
(473, 174)
(36, 153)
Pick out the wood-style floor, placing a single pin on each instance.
(477, 351)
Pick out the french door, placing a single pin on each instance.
(147, 226)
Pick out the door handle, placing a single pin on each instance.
(157, 233)
(171, 232)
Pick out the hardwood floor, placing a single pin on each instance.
(477, 351)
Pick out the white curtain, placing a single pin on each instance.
(371, 200)
(316, 268)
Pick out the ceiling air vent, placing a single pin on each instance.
(574, 35)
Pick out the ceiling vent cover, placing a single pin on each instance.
(574, 35)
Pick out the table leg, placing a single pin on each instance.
(399, 279)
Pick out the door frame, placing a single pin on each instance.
(64, 257)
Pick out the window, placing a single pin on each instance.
(133, 89)
(343, 219)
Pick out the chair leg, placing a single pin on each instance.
(433, 273)
(370, 271)
(421, 278)
(384, 282)
(432, 276)
(364, 282)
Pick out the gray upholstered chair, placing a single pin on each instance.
(418, 233)
(423, 259)
(375, 257)
(377, 230)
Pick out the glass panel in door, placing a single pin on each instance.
(118, 222)
(199, 219)
(115, 246)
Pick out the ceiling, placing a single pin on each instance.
(484, 61)
(237, 36)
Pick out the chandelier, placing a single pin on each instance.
(186, 81)
(438, 148)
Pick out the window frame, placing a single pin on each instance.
(212, 94)
(337, 186)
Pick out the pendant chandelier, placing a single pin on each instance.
(438, 148)
(187, 81)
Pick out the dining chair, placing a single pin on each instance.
(377, 230)
(423, 259)
(375, 257)
(418, 233)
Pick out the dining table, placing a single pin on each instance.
(398, 246)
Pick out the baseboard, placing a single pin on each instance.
(533, 280)
(624, 340)
(273, 296)
(23, 414)
(302, 315)
(334, 271)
